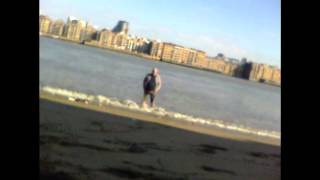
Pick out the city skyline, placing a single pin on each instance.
(218, 40)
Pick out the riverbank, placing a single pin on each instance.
(84, 141)
(151, 114)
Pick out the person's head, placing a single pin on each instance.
(155, 71)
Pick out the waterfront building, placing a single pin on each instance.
(177, 54)
(74, 29)
(231, 68)
(276, 76)
(88, 33)
(192, 57)
(216, 64)
(144, 45)
(105, 38)
(119, 41)
(57, 27)
(182, 55)
(256, 72)
(136, 42)
(201, 59)
(139, 44)
(156, 49)
(167, 52)
(130, 43)
(264, 73)
(44, 24)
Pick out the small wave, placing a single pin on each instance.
(161, 112)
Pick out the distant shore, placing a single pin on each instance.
(147, 57)
(141, 55)
(84, 141)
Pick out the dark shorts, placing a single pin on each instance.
(152, 95)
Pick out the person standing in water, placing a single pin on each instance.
(151, 86)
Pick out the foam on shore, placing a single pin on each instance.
(161, 112)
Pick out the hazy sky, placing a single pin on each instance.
(236, 28)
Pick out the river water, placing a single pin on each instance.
(186, 90)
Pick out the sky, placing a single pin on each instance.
(236, 28)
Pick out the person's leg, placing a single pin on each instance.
(144, 102)
(152, 100)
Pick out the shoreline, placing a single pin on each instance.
(83, 141)
(149, 58)
(165, 120)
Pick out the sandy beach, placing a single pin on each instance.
(81, 141)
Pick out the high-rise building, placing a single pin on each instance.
(121, 27)
(57, 27)
(44, 24)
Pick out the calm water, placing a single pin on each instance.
(200, 93)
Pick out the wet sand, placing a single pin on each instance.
(79, 141)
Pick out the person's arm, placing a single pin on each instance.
(159, 84)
